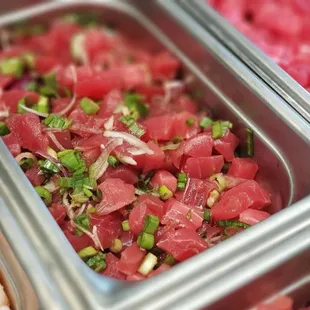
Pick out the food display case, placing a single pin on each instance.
(227, 276)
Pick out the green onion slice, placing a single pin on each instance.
(151, 223)
(89, 106)
(250, 142)
(182, 181)
(56, 121)
(125, 225)
(88, 252)
(233, 223)
(219, 129)
(206, 122)
(164, 192)
(113, 161)
(14, 66)
(97, 262)
(146, 241)
(44, 194)
(4, 130)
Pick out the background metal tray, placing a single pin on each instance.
(231, 91)
(257, 60)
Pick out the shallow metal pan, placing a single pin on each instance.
(231, 91)
(257, 60)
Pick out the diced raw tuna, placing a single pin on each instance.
(164, 66)
(109, 227)
(245, 168)
(166, 178)
(197, 192)
(28, 131)
(180, 215)
(131, 259)
(10, 98)
(126, 173)
(12, 144)
(182, 244)
(111, 270)
(35, 176)
(111, 101)
(115, 195)
(252, 216)
(58, 212)
(226, 146)
(78, 242)
(146, 204)
(203, 167)
(245, 195)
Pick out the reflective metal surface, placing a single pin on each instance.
(256, 59)
(229, 90)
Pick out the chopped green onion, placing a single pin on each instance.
(32, 86)
(50, 86)
(182, 180)
(14, 66)
(250, 142)
(83, 221)
(44, 194)
(88, 252)
(26, 163)
(206, 122)
(83, 19)
(150, 224)
(29, 60)
(190, 122)
(4, 130)
(20, 103)
(133, 102)
(79, 196)
(22, 29)
(164, 192)
(132, 125)
(148, 263)
(56, 121)
(146, 241)
(177, 139)
(219, 129)
(49, 167)
(113, 161)
(207, 215)
(125, 225)
(91, 210)
(144, 181)
(116, 246)
(97, 262)
(72, 160)
(233, 223)
(169, 260)
(42, 105)
(89, 106)
(87, 192)
(66, 182)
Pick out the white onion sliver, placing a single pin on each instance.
(109, 123)
(25, 155)
(132, 140)
(126, 159)
(33, 111)
(67, 205)
(136, 152)
(54, 139)
(99, 167)
(4, 113)
(173, 89)
(51, 187)
(71, 103)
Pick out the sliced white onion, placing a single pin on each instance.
(139, 192)
(173, 90)
(148, 263)
(54, 139)
(33, 111)
(67, 205)
(78, 51)
(52, 129)
(4, 113)
(5, 40)
(125, 111)
(25, 155)
(126, 159)
(51, 186)
(132, 140)
(109, 123)
(72, 102)
(135, 151)
(96, 238)
(80, 210)
(98, 168)
(213, 197)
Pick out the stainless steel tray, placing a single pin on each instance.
(231, 90)
(257, 60)
(283, 270)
